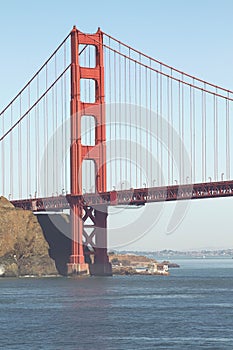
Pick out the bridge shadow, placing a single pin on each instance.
(57, 232)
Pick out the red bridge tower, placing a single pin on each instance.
(80, 212)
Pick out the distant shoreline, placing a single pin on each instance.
(139, 264)
(171, 254)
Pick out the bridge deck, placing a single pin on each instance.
(138, 196)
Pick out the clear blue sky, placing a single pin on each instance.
(194, 36)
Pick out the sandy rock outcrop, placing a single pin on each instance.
(23, 248)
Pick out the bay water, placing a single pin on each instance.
(190, 309)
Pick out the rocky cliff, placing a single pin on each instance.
(23, 248)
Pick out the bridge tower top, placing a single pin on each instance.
(85, 107)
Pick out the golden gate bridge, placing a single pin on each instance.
(102, 124)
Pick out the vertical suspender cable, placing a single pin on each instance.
(180, 141)
(140, 121)
(92, 175)
(66, 125)
(90, 124)
(216, 130)
(215, 140)
(136, 119)
(3, 155)
(110, 115)
(227, 139)
(90, 127)
(55, 131)
(115, 112)
(157, 127)
(161, 125)
(194, 139)
(20, 150)
(168, 131)
(191, 132)
(43, 190)
(120, 111)
(11, 156)
(182, 130)
(46, 131)
(150, 128)
(53, 185)
(130, 125)
(125, 115)
(148, 180)
(28, 149)
(62, 134)
(172, 131)
(204, 135)
(37, 139)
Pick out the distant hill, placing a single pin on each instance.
(167, 253)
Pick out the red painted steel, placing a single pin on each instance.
(138, 196)
(78, 152)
